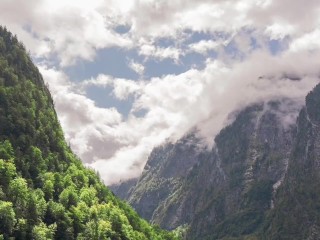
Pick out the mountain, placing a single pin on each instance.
(297, 211)
(163, 175)
(260, 180)
(45, 191)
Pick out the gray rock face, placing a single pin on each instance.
(253, 155)
(123, 189)
(262, 167)
(163, 175)
(296, 214)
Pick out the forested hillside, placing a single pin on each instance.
(45, 191)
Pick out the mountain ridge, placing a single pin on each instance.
(45, 191)
(236, 191)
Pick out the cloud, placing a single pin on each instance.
(70, 31)
(123, 88)
(160, 53)
(309, 41)
(244, 70)
(278, 31)
(137, 67)
(87, 127)
(206, 97)
(119, 147)
(76, 30)
(204, 46)
(101, 80)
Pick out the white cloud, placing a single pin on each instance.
(86, 126)
(243, 73)
(124, 87)
(175, 104)
(70, 30)
(137, 67)
(101, 80)
(78, 29)
(160, 52)
(204, 46)
(309, 41)
(278, 31)
(210, 95)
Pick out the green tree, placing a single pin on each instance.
(88, 195)
(7, 218)
(44, 232)
(37, 163)
(18, 192)
(7, 173)
(68, 197)
(98, 230)
(6, 150)
(36, 206)
(21, 229)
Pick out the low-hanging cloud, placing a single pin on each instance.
(175, 104)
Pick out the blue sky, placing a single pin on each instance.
(127, 76)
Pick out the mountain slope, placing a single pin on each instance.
(259, 181)
(253, 154)
(163, 175)
(45, 192)
(297, 210)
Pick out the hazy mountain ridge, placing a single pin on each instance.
(239, 187)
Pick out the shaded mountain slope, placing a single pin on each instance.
(45, 192)
(164, 175)
(297, 207)
(259, 181)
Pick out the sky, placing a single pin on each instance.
(129, 75)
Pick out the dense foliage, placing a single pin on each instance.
(45, 192)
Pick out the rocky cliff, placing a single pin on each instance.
(259, 181)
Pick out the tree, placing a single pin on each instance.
(7, 173)
(68, 197)
(21, 229)
(6, 150)
(98, 230)
(88, 195)
(44, 232)
(7, 218)
(37, 163)
(48, 189)
(36, 206)
(18, 193)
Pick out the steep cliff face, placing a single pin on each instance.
(229, 190)
(296, 214)
(164, 174)
(252, 155)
